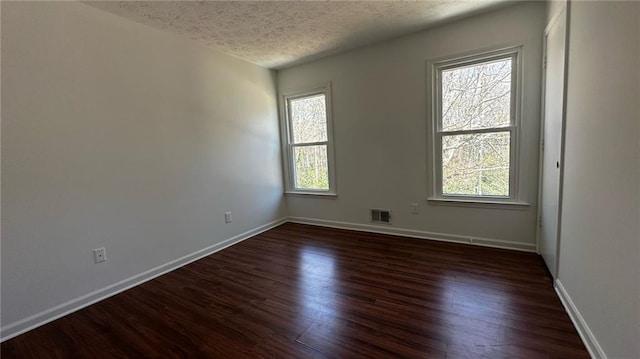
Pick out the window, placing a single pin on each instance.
(475, 104)
(308, 140)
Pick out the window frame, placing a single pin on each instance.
(288, 144)
(434, 98)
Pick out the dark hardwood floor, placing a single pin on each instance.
(300, 291)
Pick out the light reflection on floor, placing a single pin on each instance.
(475, 305)
(317, 278)
(479, 308)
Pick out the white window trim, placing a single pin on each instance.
(434, 68)
(287, 142)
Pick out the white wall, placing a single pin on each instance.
(553, 8)
(599, 243)
(120, 136)
(380, 127)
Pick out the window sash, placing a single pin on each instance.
(294, 179)
(303, 144)
(462, 64)
(290, 131)
(440, 168)
(480, 130)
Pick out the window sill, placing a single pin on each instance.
(311, 194)
(479, 203)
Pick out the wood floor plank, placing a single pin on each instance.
(300, 291)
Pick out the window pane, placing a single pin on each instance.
(311, 170)
(477, 96)
(476, 164)
(308, 119)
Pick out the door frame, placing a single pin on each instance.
(565, 11)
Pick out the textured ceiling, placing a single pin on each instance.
(277, 34)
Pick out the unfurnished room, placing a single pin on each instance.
(320, 179)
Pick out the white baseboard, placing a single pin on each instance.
(589, 340)
(384, 229)
(14, 329)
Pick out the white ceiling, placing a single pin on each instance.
(276, 34)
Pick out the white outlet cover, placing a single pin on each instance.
(99, 255)
(415, 208)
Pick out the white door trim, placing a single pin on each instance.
(564, 13)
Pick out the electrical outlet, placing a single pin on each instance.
(227, 217)
(415, 208)
(99, 255)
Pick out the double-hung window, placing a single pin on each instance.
(475, 116)
(308, 143)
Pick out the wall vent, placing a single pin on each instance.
(380, 216)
